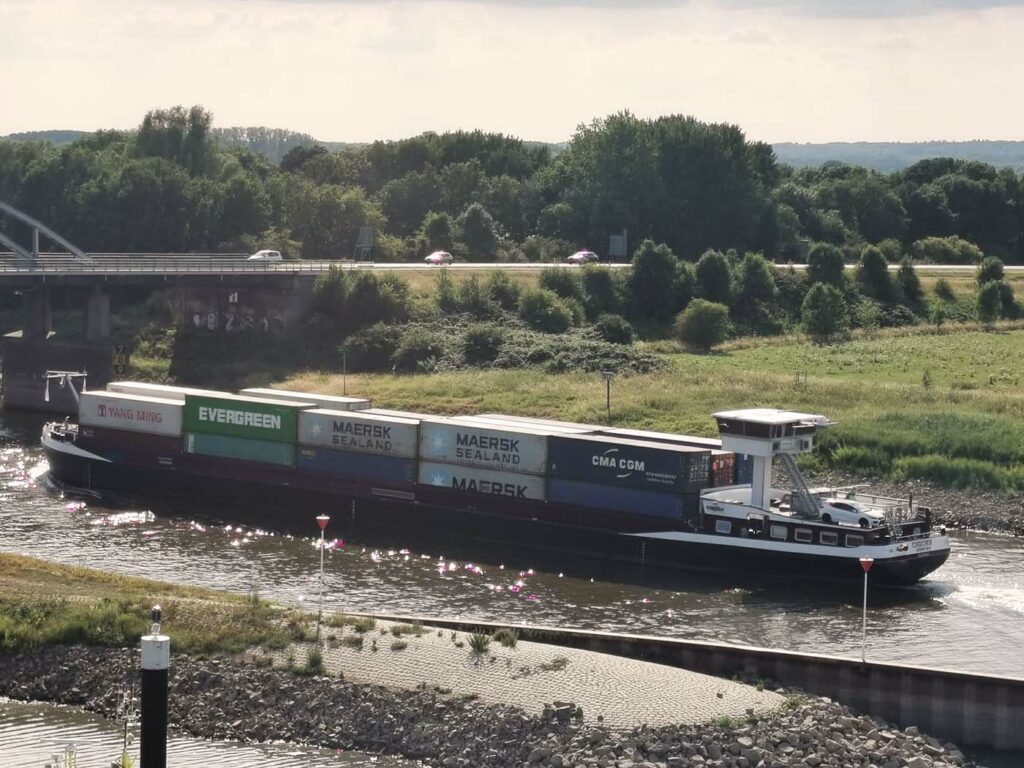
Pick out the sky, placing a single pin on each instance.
(359, 70)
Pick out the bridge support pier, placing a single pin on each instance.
(97, 316)
(38, 320)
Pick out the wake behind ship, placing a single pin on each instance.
(627, 495)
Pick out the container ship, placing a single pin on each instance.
(626, 495)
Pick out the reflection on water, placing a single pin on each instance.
(968, 615)
(30, 734)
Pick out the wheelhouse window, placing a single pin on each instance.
(779, 532)
(723, 526)
(854, 541)
(829, 538)
(805, 535)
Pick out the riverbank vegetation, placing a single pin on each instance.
(44, 603)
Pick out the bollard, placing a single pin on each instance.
(156, 659)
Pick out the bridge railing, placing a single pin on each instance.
(164, 264)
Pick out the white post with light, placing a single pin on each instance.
(322, 521)
(865, 563)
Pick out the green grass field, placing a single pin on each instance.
(965, 428)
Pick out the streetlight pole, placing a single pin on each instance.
(322, 521)
(608, 376)
(865, 563)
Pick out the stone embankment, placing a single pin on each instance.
(229, 699)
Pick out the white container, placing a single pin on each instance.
(533, 422)
(547, 427)
(489, 446)
(471, 480)
(146, 389)
(115, 410)
(401, 414)
(359, 431)
(333, 402)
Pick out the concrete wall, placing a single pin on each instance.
(970, 709)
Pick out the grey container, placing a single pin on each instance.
(359, 431)
(629, 463)
(488, 446)
(334, 402)
(474, 481)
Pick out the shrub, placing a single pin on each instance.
(474, 299)
(600, 293)
(478, 642)
(824, 312)
(944, 290)
(445, 292)
(503, 290)
(364, 624)
(652, 281)
(909, 284)
(950, 472)
(543, 311)
(371, 349)
(873, 275)
(482, 343)
(419, 350)
(614, 328)
(754, 279)
(314, 662)
(825, 265)
(990, 269)
(946, 250)
(563, 282)
(990, 302)
(684, 285)
(399, 645)
(703, 325)
(576, 311)
(506, 636)
(869, 461)
(714, 278)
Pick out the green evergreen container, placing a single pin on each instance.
(240, 449)
(243, 417)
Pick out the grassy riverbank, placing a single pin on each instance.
(43, 603)
(943, 406)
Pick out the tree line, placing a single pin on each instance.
(174, 185)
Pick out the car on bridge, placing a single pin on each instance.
(439, 257)
(584, 257)
(266, 256)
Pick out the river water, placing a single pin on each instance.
(969, 615)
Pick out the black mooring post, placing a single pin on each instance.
(156, 659)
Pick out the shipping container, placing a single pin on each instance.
(498, 447)
(245, 417)
(126, 445)
(626, 500)
(628, 463)
(644, 435)
(359, 431)
(744, 469)
(115, 410)
(358, 468)
(472, 480)
(146, 389)
(548, 428)
(530, 420)
(401, 414)
(333, 402)
(240, 448)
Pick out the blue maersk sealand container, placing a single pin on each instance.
(628, 500)
(362, 468)
(659, 467)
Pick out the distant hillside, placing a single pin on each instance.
(894, 156)
(56, 137)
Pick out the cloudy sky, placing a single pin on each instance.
(356, 70)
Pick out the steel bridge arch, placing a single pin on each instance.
(32, 256)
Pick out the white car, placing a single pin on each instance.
(266, 256)
(439, 257)
(849, 512)
(583, 257)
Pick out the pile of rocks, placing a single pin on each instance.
(228, 699)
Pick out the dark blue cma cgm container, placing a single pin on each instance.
(648, 466)
(362, 468)
(627, 500)
(744, 469)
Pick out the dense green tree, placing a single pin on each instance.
(873, 275)
(909, 283)
(703, 325)
(754, 279)
(825, 265)
(652, 281)
(544, 311)
(824, 312)
(600, 292)
(714, 278)
(503, 290)
(438, 231)
(990, 302)
(946, 250)
(990, 269)
(179, 135)
(476, 228)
